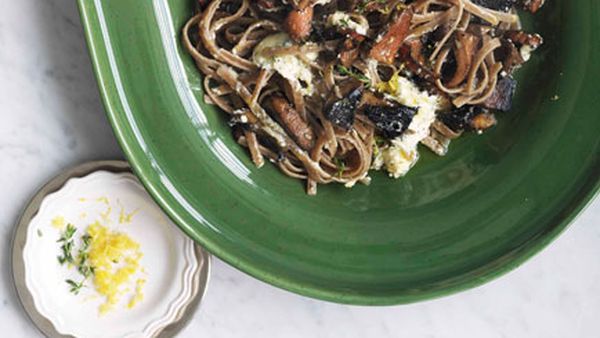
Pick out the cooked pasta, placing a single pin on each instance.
(329, 89)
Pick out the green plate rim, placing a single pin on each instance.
(485, 273)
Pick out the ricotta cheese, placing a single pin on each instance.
(345, 20)
(290, 67)
(402, 154)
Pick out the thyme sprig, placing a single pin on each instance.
(80, 261)
(353, 74)
(67, 245)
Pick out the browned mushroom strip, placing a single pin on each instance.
(463, 51)
(483, 121)
(299, 21)
(387, 48)
(522, 38)
(293, 122)
(533, 5)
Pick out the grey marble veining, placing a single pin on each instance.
(52, 118)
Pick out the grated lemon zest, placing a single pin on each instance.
(103, 199)
(126, 218)
(139, 293)
(105, 216)
(59, 222)
(390, 86)
(116, 258)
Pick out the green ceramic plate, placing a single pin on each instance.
(451, 224)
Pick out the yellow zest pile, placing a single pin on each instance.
(115, 258)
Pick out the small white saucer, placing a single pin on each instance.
(175, 269)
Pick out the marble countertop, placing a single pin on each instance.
(52, 118)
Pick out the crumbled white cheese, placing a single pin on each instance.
(402, 154)
(290, 67)
(399, 159)
(345, 20)
(525, 52)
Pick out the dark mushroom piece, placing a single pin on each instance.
(502, 96)
(390, 121)
(510, 56)
(468, 118)
(342, 112)
(459, 119)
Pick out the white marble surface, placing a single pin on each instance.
(52, 118)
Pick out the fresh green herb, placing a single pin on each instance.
(74, 286)
(83, 266)
(67, 246)
(68, 233)
(82, 259)
(355, 75)
(39, 233)
(340, 166)
(66, 257)
(87, 240)
(345, 23)
(85, 270)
